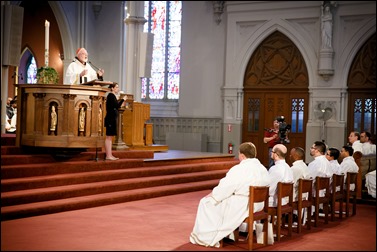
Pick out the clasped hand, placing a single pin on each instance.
(100, 72)
(84, 72)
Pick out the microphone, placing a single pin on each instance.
(99, 77)
(93, 65)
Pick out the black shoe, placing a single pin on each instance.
(243, 234)
(295, 218)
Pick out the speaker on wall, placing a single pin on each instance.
(146, 51)
(13, 23)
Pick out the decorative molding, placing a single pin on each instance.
(96, 6)
(218, 9)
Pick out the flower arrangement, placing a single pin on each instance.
(47, 75)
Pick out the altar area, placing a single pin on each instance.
(72, 117)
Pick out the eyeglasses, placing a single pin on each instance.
(327, 154)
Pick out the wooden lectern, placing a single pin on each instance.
(134, 121)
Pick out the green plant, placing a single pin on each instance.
(47, 75)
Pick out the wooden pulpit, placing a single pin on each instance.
(62, 116)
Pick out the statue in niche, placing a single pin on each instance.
(53, 119)
(327, 25)
(100, 120)
(82, 119)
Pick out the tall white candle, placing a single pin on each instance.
(47, 38)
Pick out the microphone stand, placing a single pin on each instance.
(100, 77)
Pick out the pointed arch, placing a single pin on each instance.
(301, 40)
(362, 89)
(26, 61)
(275, 84)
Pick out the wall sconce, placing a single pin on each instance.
(96, 6)
(218, 9)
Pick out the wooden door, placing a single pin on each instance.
(362, 90)
(275, 84)
(260, 110)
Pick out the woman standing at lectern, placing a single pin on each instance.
(112, 106)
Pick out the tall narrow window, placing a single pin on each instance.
(31, 69)
(298, 106)
(364, 115)
(253, 111)
(164, 21)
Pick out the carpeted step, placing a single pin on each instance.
(8, 139)
(18, 158)
(10, 150)
(36, 182)
(42, 169)
(55, 206)
(68, 191)
(103, 175)
(30, 170)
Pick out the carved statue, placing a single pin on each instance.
(53, 119)
(100, 120)
(327, 24)
(82, 119)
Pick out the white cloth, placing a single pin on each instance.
(335, 167)
(348, 165)
(221, 213)
(74, 69)
(357, 146)
(368, 149)
(370, 183)
(280, 172)
(299, 170)
(10, 124)
(320, 167)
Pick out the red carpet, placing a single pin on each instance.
(164, 224)
(41, 183)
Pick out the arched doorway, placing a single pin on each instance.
(275, 84)
(362, 90)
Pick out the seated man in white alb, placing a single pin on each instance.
(10, 124)
(300, 171)
(299, 168)
(226, 207)
(348, 164)
(354, 140)
(279, 172)
(370, 183)
(332, 155)
(320, 166)
(368, 148)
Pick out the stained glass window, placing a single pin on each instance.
(298, 107)
(31, 70)
(164, 21)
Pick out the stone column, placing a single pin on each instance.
(135, 21)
